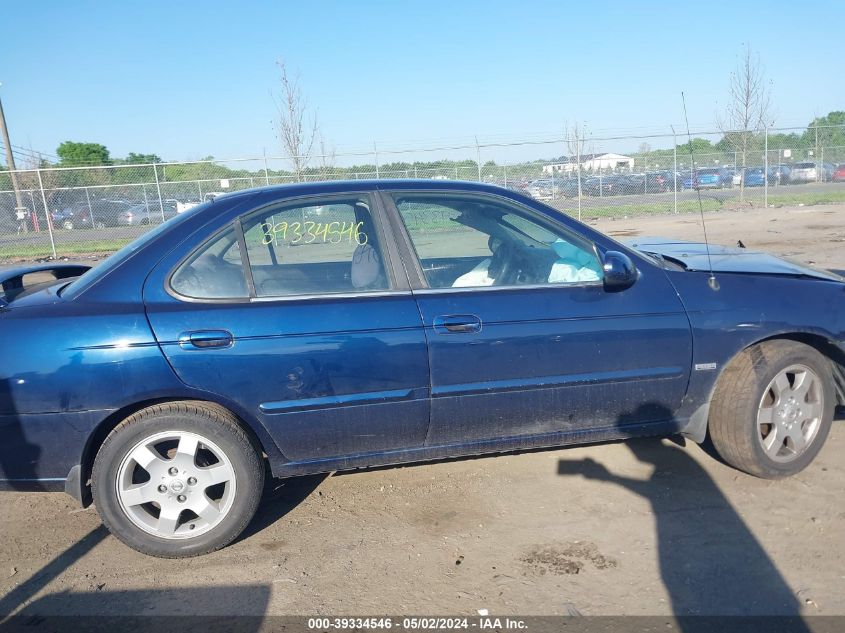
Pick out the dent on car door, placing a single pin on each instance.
(524, 339)
(294, 312)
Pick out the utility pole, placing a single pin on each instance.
(10, 158)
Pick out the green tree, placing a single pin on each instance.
(826, 136)
(79, 154)
(142, 159)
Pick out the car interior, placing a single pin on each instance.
(288, 267)
(518, 251)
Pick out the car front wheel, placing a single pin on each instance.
(772, 408)
(178, 479)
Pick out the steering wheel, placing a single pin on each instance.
(502, 267)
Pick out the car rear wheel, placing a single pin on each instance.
(772, 408)
(177, 479)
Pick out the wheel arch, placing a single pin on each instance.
(78, 481)
(826, 346)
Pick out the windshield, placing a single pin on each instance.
(95, 274)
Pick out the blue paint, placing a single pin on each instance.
(357, 379)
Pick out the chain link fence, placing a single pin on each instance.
(80, 212)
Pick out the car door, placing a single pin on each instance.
(523, 337)
(295, 312)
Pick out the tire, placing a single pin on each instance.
(211, 478)
(756, 387)
(67, 225)
(99, 224)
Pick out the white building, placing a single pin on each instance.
(592, 162)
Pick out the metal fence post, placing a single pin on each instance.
(578, 168)
(478, 158)
(375, 151)
(158, 189)
(765, 167)
(675, 170)
(47, 214)
(266, 173)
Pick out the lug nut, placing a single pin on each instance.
(173, 470)
(181, 498)
(192, 481)
(162, 488)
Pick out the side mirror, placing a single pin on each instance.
(619, 271)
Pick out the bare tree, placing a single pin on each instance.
(575, 140)
(748, 111)
(297, 130)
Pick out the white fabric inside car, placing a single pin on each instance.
(574, 264)
(478, 276)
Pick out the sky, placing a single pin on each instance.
(186, 80)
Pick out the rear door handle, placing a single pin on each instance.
(457, 324)
(205, 339)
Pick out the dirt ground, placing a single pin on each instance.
(644, 527)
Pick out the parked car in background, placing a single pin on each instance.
(811, 172)
(757, 176)
(543, 189)
(104, 213)
(569, 187)
(782, 174)
(726, 174)
(649, 182)
(710, 179)
(74, 216)
(424, 320)
(608, 186)
(146, 213)
(839, 173)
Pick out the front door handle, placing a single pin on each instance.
(206, 339)
(457, 324)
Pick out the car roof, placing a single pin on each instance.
(341, 186)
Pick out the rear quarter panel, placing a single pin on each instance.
(65, 367)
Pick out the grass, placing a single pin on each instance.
(33, 251)
(684, 206)
(826, 197)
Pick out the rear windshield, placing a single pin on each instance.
(95, 274)
(708, 172)
(804, 165)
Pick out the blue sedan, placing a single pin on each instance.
(333, 326)
(758, 177)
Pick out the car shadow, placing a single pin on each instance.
(280, 497)
(52, 570)
(224, 608)
(710, 562)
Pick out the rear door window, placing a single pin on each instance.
(315, 248)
